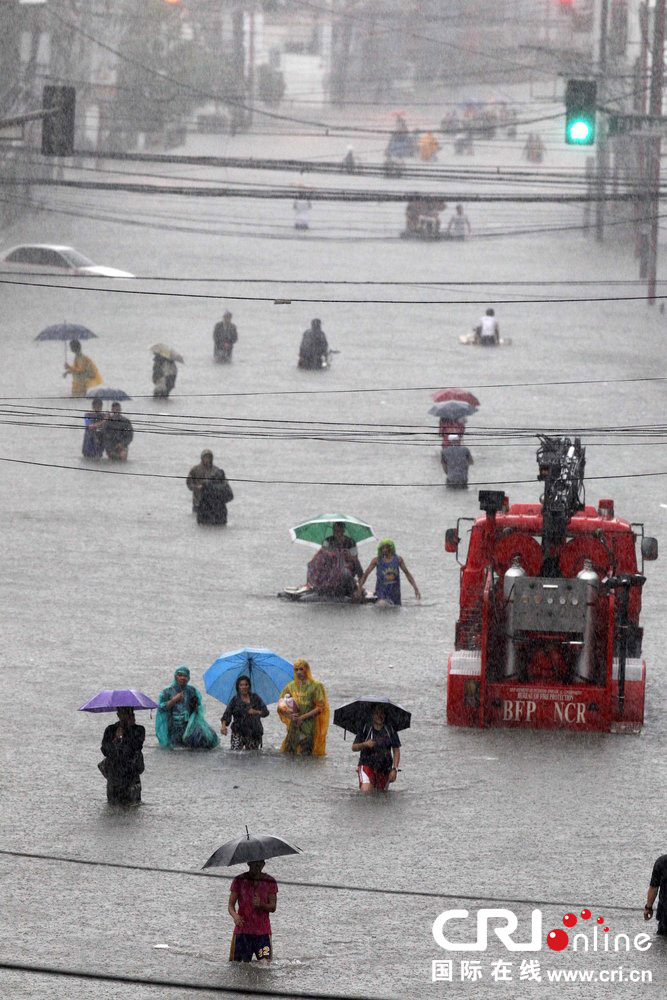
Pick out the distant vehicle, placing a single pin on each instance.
(55, 259)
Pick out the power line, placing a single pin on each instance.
(291, 299)
(174, 984)
(372, 890)
(386, 389)
(395, 283)
(351, 195)
(310, 482)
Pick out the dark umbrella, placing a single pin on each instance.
(250, 847)
(66, 332)
(357, 714)
(107, 392)
(453, 409)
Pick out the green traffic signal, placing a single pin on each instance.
(580, 132)
(580, 107)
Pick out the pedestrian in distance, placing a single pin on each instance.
(164, 376)
(333, 569)
(314, 348)
(84, 371)
(388, 567)
(349, 164)
(459, 225)
(307, 724)
(301, 207)
(198, 475)
(658, 884)
(428, 147)
(245, 712)
(225, 335)
(180, 718)
(93, 437)
(379, 750)
(216, 493)
(117, 434)
(256, 895)
(123, 760)
(456, 460)
(487, 331)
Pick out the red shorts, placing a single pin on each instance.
(367, 776)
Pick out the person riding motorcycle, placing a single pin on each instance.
(314, 347)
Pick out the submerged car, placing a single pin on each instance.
(55, 259)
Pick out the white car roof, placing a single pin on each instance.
(42, 246)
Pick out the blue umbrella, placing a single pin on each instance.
(66, 332)
(268, 673)
(107, 392)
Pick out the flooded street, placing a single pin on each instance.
(109, 582)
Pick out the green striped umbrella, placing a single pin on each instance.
(316, 529)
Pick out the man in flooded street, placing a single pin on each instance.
(379, 750)
(657, 884)
(456, 460)
(225, 336)
(117, 434)
(314, 347)
(256, 896)
(198, 475)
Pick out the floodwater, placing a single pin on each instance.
(108, 582)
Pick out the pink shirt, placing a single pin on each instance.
(254, 921)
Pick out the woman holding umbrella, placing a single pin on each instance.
(244, 711)
(307, 725)
(83, 370)
(123, 759)
(164, 370)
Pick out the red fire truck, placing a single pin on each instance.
(548, 635)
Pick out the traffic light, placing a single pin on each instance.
(58, 127)
(580, 112)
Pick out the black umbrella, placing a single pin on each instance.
(357, 714)
(250, 848)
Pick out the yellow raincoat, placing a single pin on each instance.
(308, 694)
(85, 375)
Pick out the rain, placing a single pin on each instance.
(286, 161)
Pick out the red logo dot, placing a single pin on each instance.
(569, 920)
(585, 914)
(600, 920)
(606, 928)
(557, 940)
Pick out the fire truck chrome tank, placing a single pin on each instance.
(548, 635)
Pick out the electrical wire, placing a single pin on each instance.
(318, 300)
(174, 984)
(389, 389)
(311, 482)
(335, 886)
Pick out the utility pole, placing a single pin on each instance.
(251, 64)
(655, 108)
(602, 151)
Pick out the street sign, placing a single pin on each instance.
(643, 126)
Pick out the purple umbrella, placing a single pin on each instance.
(109, 701)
